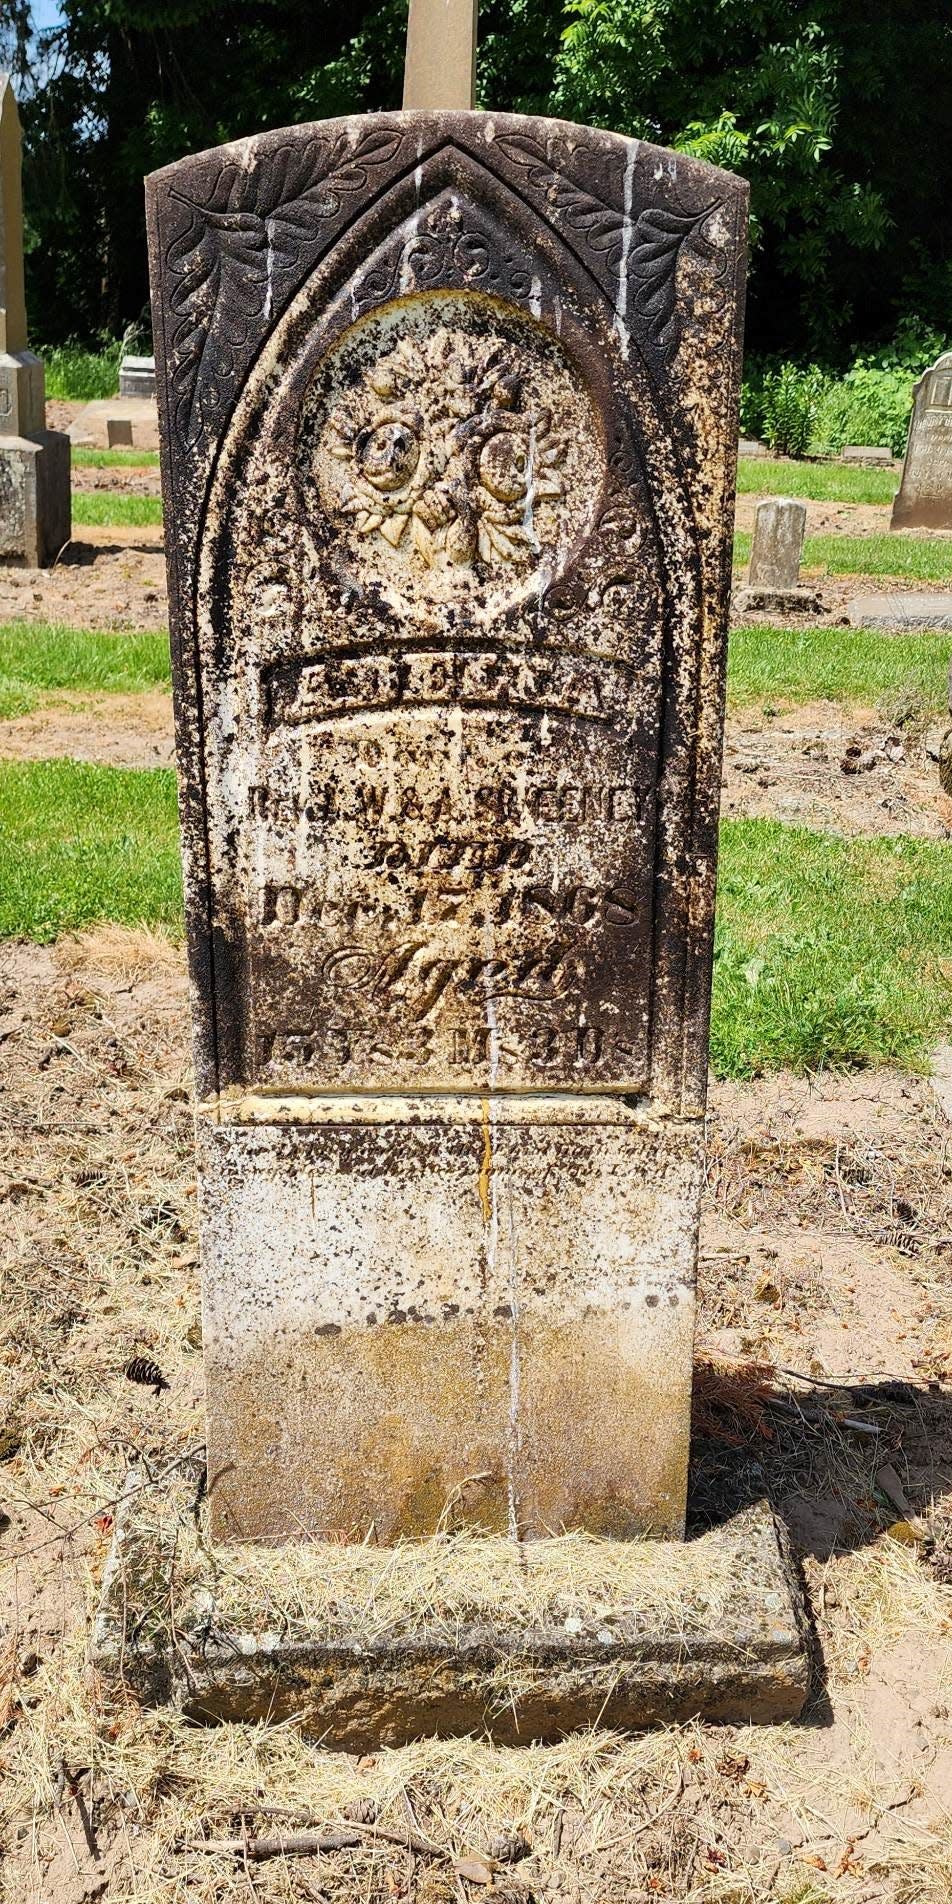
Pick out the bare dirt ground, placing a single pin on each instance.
(114, 730)
(832, 768)
(827, 1250)
(105, 578)
(125, 479)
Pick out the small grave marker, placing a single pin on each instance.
(867, 455)
(773, 578)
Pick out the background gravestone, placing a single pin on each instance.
(773, 578)
(924, 500)
(35, 503)
(449, 406)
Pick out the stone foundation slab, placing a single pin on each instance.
(366, 1646)
(776, 601)
(902, 610)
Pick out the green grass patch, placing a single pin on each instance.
(829, 952)
(114, 459)
(80, 375)
(821, 482)
(837, 664)
(80, 844)
(905, 558)
(102, 507)
(37, 658)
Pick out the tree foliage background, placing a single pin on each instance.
(838, 111)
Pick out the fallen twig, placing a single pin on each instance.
(295, 1844)
(310, 1843)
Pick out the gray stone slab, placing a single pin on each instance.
(137, 377)
(866, 454)
(363, 1646)
(90, 429)
(750, 446)
(777, 601)
(903, 610)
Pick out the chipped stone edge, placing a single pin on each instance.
(515, 1685)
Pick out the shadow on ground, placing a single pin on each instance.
(839, 1464)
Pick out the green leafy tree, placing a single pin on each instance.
(837, 112)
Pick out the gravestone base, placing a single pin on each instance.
(137, 377)
(434, 1303)
(35, 501)
(777, 601)
(364, 1646)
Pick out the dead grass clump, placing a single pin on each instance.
(126, 954)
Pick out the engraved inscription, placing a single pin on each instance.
(360, 684)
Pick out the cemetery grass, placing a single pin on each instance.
(110, 509)
(37, 659)
(79, 375)
(900, 557)
(85, 458)
(80, 843)
(818, 482)
(824, 1246)
(906, 674)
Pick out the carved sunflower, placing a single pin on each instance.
(439, 449)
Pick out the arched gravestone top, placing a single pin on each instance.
(449, 408)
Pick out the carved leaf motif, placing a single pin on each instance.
(603, 228)
(659, 236)
(249, 231)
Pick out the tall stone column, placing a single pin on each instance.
(34, 461)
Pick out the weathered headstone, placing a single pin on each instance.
(34, 461)
(137, 377)
(773, 577)
(924, 500)
(118, 432)
(449, 415)
(777, 547)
